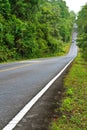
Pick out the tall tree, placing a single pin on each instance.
(82, 29)
(33, 28)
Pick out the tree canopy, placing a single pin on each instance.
(33, 28)
(82, 30)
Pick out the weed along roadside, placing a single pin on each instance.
(73, 108)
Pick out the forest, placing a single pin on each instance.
(82, 31)
(36, 28)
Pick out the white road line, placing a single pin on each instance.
(28, 106)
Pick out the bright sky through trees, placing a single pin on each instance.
(75, 5)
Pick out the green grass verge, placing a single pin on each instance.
(65, 50)
(74, 103)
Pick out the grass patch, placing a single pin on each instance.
(74, 103)
(64, 51)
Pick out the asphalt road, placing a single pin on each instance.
(21, 81)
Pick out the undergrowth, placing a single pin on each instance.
(65, 50)
(74, 103)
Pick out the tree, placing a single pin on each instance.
(82, 29)
(5, 8)
(33, 28)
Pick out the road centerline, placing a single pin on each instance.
(14, 68)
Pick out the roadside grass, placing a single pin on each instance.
(73, 107)
(65, 50)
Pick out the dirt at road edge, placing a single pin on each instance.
(40, 116)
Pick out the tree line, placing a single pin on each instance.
(82, 31)
(33, 28)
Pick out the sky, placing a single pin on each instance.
(75, 5)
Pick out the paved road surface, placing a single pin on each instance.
(21, 81)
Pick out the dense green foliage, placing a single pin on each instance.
(33, 28)
(82, 29)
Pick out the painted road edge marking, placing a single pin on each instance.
(29, 105)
